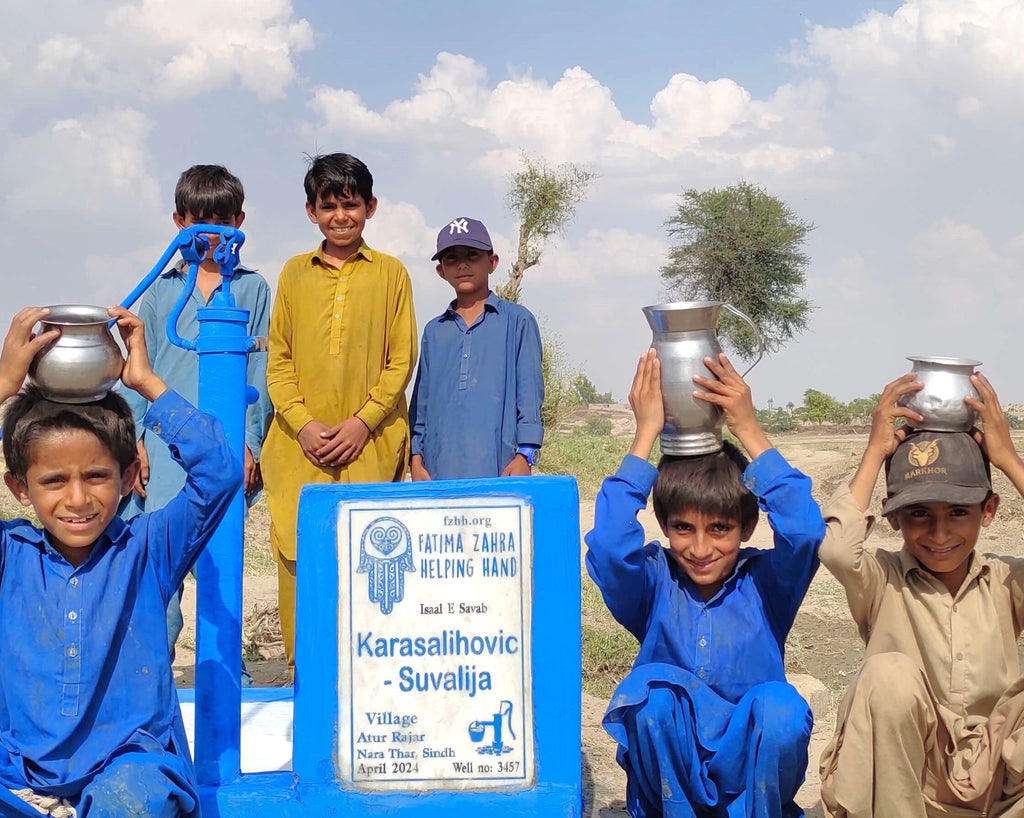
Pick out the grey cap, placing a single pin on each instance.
(937, 467)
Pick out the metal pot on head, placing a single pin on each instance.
(84, 363)
(947, 381)
(686, 332)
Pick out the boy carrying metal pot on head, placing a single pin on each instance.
(706, 722)
(933, 724)
(88, 711)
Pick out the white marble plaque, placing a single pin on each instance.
(434, 655)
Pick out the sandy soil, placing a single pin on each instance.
(823, 643)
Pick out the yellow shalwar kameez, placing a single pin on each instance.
(342, 344)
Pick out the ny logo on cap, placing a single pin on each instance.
(922, 456)
(458, 226)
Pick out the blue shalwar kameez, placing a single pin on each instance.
(705, 721)
(478, 391)
(88, 708)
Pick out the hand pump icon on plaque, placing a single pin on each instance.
(502, 719)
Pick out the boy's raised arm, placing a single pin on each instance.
(138, 372)
(995, 440)
(615, 556)
(730, 393)
(648, 405)
(885, 437)
(20, 347)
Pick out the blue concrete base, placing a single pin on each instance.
(277, 794)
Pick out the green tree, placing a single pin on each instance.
(822, 408)
(586, 392)
(861, 408)
(741, 245)
(544, 199)
(777, 420)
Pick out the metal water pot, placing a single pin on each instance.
(947, 381)
(685, 333)
(84, 363)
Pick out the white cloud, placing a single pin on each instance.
(612, 255)
(969, 50)
(173, 49)
(400, 229)
(956, 264)
(96, 165)
(576, 119)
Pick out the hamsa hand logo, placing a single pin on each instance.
(385, 554)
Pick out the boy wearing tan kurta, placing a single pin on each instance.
(342, 350)
(934, 722)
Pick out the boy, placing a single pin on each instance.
(88, 710)
(204, 194)
(932, 723)
(476, 404)
(705, 721)
(342, 348)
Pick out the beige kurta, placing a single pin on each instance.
(342, 344)
(930, 725)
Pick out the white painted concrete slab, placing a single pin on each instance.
(266, 728)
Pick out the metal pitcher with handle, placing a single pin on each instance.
(685, 333)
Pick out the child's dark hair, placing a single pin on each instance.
(208, 190)
(29, 416)
(708, 483)
(339, 175)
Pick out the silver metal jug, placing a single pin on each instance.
(947, 381)
(84, 363)
(685, 333)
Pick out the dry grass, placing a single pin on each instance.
(608, 648)
(261, 632)
(258, 559)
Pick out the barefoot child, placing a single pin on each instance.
(88, 709)
(934, 722)
(705, 721)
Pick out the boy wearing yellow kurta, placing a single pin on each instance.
(342, 350)
(934, 722)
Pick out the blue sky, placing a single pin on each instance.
(895, 127)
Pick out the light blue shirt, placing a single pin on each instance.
(478, 391)
(179, 369)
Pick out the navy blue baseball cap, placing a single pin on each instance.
(463, 232)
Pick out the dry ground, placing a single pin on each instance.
(823, 642)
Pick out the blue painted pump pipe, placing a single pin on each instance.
(223, 347)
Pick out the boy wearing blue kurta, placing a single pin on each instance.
(705, 721)
(476, 405)
(88, 709)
